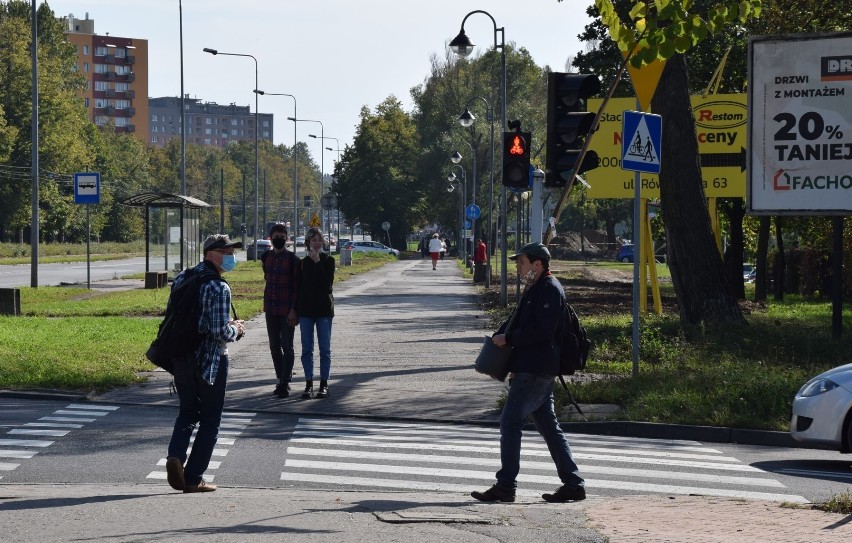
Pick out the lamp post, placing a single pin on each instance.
(338, 152)
(256, 132)
(34, 229)
(462, 239)
(295, 162)
(463, 47)
(322, 158)
(322, 153)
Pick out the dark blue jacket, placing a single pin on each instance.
(532, 336)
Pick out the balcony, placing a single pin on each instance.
(109, 59)
(109, 76)
(109, 110)
(109, 93)
(130, 93)
(131, 111)
(130, 77)
(131, 59)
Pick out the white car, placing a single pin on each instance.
(372, 247)
(822, 410)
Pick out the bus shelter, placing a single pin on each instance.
(172, 230)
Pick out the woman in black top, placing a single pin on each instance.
(315, 307)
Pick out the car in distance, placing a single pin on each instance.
(747, 271)
(371, 247)
(259, 247)
(822, 410)
(624, 253)
(300, 241)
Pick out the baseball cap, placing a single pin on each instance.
(537, 250)
(221, 241)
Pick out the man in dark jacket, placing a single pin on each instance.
(531, 334)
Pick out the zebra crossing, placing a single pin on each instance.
(444, 458)
(233, 424)
(28, 440)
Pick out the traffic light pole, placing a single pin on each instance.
(566, 191)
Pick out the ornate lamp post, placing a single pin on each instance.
(463, 47)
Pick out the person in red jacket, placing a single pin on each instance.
(480, 258)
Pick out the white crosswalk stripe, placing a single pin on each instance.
(449, 458)
(231, 426)
(50, 426)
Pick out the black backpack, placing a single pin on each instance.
(574, 343)
(574, 346)
(178, 336)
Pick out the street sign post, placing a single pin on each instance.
(87, 191)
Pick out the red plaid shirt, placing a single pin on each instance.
(283, 275)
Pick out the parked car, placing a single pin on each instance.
(624, 253)
(747, 271)
(300, 241)
(372, 247)
(259, 247)
(822, 410)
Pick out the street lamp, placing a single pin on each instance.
(338, 152)
(256, 131)
(322, 171)
(322, 159)
(295, 162)
(452, 177)
(463, 47)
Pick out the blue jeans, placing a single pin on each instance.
(281, 346)
(201, 404)
(323, 326)
(531, 394)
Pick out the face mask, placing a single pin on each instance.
(279, 243)
(229, 262)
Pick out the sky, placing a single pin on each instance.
(334, 56)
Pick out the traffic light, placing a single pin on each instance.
(568, 126)
(516, 159)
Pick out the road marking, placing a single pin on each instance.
(433, 457)
(87, 413)
(6, 466)
(816, 473)
(67, 419)
(17, 454)
(46, 433)
(24, 443)
(52, 425)
(93, 407)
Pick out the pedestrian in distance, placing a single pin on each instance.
(201, 384)
(533, 366)
(444, 247)
(435, 247)
(315, 307)
(480, 258)
(282, 273)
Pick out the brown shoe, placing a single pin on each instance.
(174, 471)
(203, 486)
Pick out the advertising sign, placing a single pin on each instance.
(720, 124)
(800, 125)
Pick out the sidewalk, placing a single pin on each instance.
(403, 346)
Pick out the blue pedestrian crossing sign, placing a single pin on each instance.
(642, 135)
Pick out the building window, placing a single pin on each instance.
(208, 120)
(122, 104)
(100, 102)
(121, 87)
(266, 133)
(208, 131)
(153, 139)
(100, 51)
(85, 49)
(121, 121)
(100, 68)
(266, 124)
(206, 141)
(122, 70)
(154, 117)
(101, 85)
(86, 67)
(233, 122)
(87, 102)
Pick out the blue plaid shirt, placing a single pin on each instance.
(214, 315)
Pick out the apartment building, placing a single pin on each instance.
(207, 123)
(116, 71)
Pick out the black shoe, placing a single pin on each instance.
(323, 390)
(565, 494)
(282, 390)
(174, 473)
(309, 390)
(494, 494)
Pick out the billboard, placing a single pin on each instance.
(720, 124)
(800, 112)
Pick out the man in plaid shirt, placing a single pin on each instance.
(201, 386)
(283, 274)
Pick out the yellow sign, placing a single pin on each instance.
(645, 80)
(315, 221)
(720, 124)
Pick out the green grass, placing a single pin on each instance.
(737, 375)
(76, 339)
(52, 253)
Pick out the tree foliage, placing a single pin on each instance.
(376, 180)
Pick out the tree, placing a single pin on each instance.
(376, 180)
(667, 30)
